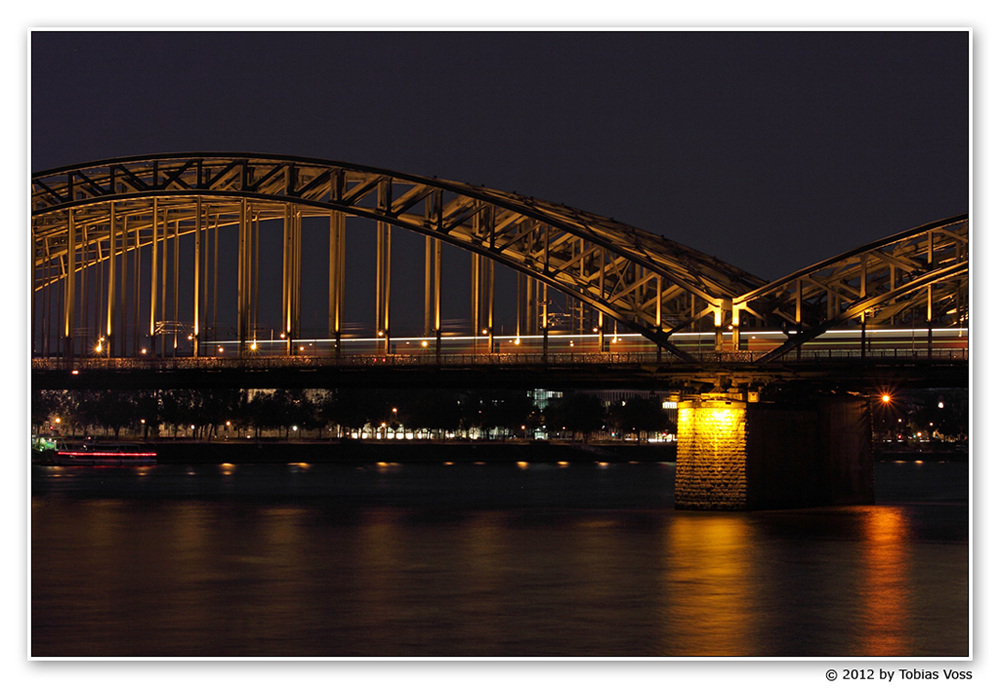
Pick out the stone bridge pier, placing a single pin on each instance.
(807, 452)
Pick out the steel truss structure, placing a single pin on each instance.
(917, 278)
(124, 219)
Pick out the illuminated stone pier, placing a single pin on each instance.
(734, 455)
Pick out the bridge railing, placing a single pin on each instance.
(250, 363)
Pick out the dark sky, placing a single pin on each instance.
(770, 150)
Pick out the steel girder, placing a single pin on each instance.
(648, 283)
(919, 277)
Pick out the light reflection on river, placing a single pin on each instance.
(486, 560)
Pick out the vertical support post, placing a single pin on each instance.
(242, 276)
(177, 259)
(737, 339)
(892, 287)
(601, 343)
(530, 306)
(864, 294)
(163, 280)
(545, 322)
(437, 297)
(930, 321)
(383, 266)
(489, 305)
(122, 291)
(154, 277)
(798, 304)
(428, 283)
(798, 315)
(292, 263)
(136, 281)
(718, 328)
(296, 305)
(474, 316)
(196, 325)
(69, 286)
(112, 259)
(432, 285)
(336, 281)
(255, 250)
(520, 307)
(85, 276)
(286, 277)
(215, 280)
(864, 342)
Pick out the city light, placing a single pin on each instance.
(886, 398)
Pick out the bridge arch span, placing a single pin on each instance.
(918, 278)
(102, 215)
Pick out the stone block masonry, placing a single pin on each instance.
(711, 455)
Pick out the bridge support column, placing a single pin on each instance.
(291, 277)
(805, 452)
(383, 268)
(155, 264)
(718, 330)
(432, 286)
(69, 286)
(336, 281)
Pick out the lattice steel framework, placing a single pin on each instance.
(96, 214)
(917, 278)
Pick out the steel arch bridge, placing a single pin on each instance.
(109, 237)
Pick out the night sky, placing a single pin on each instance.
(770, 150)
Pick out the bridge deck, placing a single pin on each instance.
(898, 366)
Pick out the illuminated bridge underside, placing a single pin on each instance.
(646, 282)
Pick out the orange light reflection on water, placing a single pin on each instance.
(709, 559)
(883, 583)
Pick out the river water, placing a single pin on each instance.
(486, 560)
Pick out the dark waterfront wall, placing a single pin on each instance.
(812, 453)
